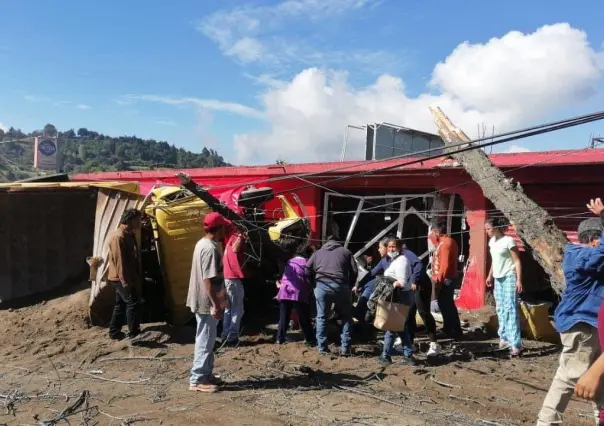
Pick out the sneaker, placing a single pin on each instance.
(206, 386)
(408, 360)
(310, 343)
(398, 342)
(384, 360)
(516, 352)
(434, 349)
(232, 343)
(503, 345)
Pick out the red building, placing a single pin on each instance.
(366, 203)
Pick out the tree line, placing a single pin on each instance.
(88, 151)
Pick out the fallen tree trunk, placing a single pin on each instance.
(533, 224)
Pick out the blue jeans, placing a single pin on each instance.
(340, 295)
(390, 337)
(234, 310)
(405, 298)
(203, 358)
(361, 308)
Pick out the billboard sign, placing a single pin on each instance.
(388, 140)
(45, 153)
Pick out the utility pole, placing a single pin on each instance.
(533, 224)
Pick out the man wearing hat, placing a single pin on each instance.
(206, 300)
(576, 318)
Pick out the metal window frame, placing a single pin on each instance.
(398, 222)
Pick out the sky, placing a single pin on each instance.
(265, 80)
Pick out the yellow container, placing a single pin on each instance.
(536, 324)
(178, 226)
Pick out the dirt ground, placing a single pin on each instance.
(49, 358)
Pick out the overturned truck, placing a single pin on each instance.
(172, 225)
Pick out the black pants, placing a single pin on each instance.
(126, 304)
(303, 312)
(446, 303)
(423, 296)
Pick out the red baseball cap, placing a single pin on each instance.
(214, 220)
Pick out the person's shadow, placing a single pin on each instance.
(303, 378)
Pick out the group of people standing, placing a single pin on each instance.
(333, 273)
(330, 277)
(325, 278)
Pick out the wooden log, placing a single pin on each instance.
(533, 224)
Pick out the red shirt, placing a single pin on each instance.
(232, 261)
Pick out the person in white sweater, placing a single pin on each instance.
(398, 275)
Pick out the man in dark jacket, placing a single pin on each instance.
(334, 271)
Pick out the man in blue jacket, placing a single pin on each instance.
(365, 286)
(576, 318)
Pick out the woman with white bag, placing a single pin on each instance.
(395, 287)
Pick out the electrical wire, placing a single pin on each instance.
(468, 182)
(467, 231)
(468, 147)
(465, 146)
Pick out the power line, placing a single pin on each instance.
(464, 146)
(436, 192)
(568, 216)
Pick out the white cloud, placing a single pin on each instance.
(506, 82)
(209, 104)
(259, 35)
(513, 149)
(83, 106)
(3, 127)
(247, 50)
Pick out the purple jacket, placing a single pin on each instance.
(294, 283)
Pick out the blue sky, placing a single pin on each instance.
(266, 79)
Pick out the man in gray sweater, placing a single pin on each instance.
(333, 270)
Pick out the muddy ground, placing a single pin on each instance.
(49, 358)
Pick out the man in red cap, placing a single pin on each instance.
(206, 299)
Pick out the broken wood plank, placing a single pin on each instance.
(533, 224)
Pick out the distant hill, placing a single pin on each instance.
(87, 151)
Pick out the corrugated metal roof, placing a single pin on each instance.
(132, 187)
(539, 159)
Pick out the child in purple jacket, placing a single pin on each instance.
(294, 294)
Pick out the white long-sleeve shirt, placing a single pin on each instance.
(400, 270)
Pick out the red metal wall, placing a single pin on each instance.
(561, 182)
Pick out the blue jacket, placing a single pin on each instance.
(584, 273)
(417, 267)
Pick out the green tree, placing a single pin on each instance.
(50, 130)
